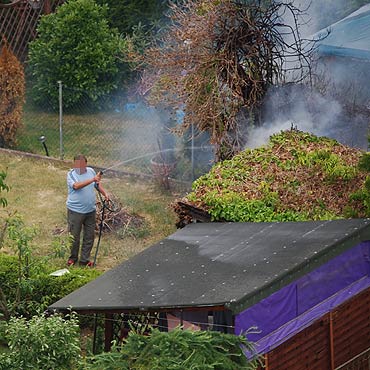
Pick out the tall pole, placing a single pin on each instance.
(192, 152)
(61, 119)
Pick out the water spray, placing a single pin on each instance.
(109, 205)
(146, 155)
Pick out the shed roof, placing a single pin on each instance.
(233, 265)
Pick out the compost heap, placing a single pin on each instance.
(297, 176)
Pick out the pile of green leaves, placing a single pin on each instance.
(296, 177)
(178, 350)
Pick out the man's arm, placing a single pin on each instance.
(102, 190)
(81, 184)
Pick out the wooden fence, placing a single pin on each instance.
(18, 22)
(340, 340)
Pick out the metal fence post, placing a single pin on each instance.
(192, 152)
(61, 119)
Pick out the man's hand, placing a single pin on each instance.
(97, 177)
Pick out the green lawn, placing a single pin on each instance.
(38, 192)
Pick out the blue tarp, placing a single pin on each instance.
(350, 37)
(297, 305)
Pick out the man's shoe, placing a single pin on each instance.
(70, 263)
(87, 264)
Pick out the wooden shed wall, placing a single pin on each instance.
(339, 337)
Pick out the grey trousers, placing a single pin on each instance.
(77, 222)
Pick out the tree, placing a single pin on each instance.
(76, 46)
(217, 60)
(12, 89)
(126, 14)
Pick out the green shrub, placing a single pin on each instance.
(8, 274)
(40, 289)
(3, 187)
(177, 350)
(76, 46)
(42, 343)
(364, 162)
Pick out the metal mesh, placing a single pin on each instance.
(115, 133)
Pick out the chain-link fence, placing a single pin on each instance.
(115, 133)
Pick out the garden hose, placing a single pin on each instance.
(106, 205)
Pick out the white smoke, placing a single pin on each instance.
(301, 108)
(307, 112)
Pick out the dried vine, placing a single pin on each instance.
(217, 60)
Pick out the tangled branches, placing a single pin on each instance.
(218, 59)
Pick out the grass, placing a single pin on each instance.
(38, 192)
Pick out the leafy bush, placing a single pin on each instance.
(76, 46)
(177, 350)
(42, 343)
(12, 90)
(3, 187)
(40, 289)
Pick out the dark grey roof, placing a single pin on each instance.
(210, 264)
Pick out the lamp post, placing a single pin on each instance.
(42, 140)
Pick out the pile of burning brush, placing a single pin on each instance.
(115, 216)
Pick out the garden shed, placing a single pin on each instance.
(304, 286)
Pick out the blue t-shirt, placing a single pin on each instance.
(82, 200)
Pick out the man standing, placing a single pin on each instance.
(81, 209)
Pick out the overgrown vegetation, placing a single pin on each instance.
(12, 90)
(297, 176)
(178, 350)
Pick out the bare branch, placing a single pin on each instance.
(218, 59)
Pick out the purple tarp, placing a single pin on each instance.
(292, 308)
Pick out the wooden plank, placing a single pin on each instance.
(351, 328)
(308, 349)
